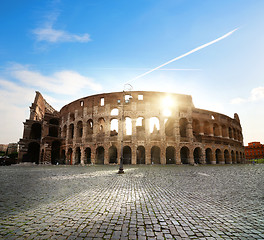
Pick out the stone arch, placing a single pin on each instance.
(88, 153)
(155, 155)
(141, 155)
(114, 112)
(114, 127)
(196, 127)
(54, 121)
(218, 157)
(78, 155)
(69, 156)
(169, 126)
(224, 131)
(71, 131)
(53, 131)
(55, 152)
(216, 130)
(64, 131)
(140, 125)
(154, 125)
(183, 127)
(237, 157)
(99, 155)
(112, 154)
(233, 157)
(101, 123)
(170, 155)
(32, 153)
(79, 129)
(208, 156)
(197, 155)
(35, 132)
(128, 126)
(207, 130)
(127, 155)
(226, 156)
(72, 117)
(63, 156)
(185, 155)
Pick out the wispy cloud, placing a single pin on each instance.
(256, 94)
(47, 32)
(64, 82)
(185, 54)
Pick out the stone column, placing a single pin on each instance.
(178, 155)
(82, 155)
(134, 155)
(221, 158)
(213, 157)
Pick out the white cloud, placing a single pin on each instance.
(51, 35)
(63, 82)
(256, 94)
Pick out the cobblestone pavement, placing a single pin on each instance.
(147, 202)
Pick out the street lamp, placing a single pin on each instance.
(125, 99)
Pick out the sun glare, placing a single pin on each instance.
(167, 112)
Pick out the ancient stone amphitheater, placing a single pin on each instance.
(150, 127)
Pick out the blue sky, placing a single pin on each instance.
(71, 49)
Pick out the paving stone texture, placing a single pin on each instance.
(147, 202)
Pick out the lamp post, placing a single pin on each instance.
(127, 88)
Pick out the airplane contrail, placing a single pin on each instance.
(185, 54)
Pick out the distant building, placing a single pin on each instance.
(12, 148)
(254, 150)
(3, 147)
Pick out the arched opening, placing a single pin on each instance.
(64, 131)
(224, 131)
(140, 155)
(235, 134)
(112, 154)
(53, 131)
(216, 130)
(170, 155)
(114, 112)
(79, 129)
(35, 132)
(101, 123)
(114, 127)
(237, 157)
(183, 127)
(72, 117)
(69, 156)
(63, 157)
(54, 121)
(230, 132)
(55, 152)
(169, 126)
(233, 156)
(208, 156)
(241, 157)
(154, 125)
(71, 131)
(128, 123)
(140, 125)
(155, 155)
(99, 155)
(226, 156)
(127, 155)
(185, 153)
(89, 127)
(196, 127)
(218, 156)
(207, 128)
(32, 153)
(197, 155)
(78, 156)
(88, 155)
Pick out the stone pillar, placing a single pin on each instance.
(221, 158)
(211, 128)
(191, 158)
(202, 157)
(213, 157)
(201, 132)
(178, 156)
(148, 155)
(93, 154)
(82, 155)
(134, 155)
(106, 155)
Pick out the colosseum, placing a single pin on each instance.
(141, 126)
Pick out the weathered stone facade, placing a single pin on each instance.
(92, 130)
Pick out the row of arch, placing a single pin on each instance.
(199, 157)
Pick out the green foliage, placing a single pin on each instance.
(2, 153)
(257, 160)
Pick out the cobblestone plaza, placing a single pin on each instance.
(147, 202)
